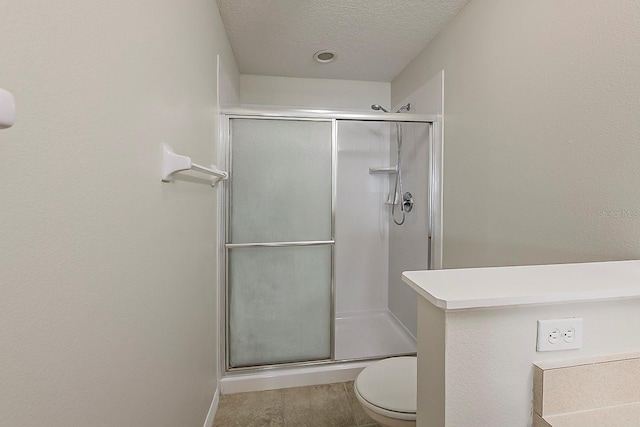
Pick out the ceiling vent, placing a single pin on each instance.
(324, 56)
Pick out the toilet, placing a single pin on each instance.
(387, 391)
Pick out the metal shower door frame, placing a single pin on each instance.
(227, 212)
(224, 212)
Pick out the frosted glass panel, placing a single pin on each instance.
(279, 305)
(281, 181)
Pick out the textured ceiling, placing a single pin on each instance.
(373, 39)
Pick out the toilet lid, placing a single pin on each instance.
(390, 384)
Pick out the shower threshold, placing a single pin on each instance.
(371, 334)
(286, 377)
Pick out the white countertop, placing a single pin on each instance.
(468, 288)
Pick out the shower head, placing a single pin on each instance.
(406, 107)
(378, 108)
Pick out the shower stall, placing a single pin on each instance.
(312, 258)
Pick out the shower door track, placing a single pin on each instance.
(267, 113)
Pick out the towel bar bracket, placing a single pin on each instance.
(172, 163)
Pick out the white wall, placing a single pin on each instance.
(228, 82)
(541, 132)
(429, 99)
(477, 365)
(107, 287)
(409, 242)
(361, 218)
(313, 93)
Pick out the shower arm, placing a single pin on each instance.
(378, 107)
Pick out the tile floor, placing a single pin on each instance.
(327, 405)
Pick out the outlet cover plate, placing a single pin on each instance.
(559, 334)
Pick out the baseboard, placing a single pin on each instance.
(208, 422)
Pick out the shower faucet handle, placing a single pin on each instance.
(407, 202)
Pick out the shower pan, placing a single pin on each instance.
(311, 260)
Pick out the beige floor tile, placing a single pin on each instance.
(330, 405)
(362, 419)
(256, 409)
(317, 406)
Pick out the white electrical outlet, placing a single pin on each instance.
(559, 334)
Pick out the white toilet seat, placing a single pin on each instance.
(405, 416)
(389, 388)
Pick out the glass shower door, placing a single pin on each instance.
(279, 241)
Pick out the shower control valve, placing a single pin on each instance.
(407, 202)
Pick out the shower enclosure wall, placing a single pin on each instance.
(311, 258)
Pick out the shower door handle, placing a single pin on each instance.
(279, 244)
